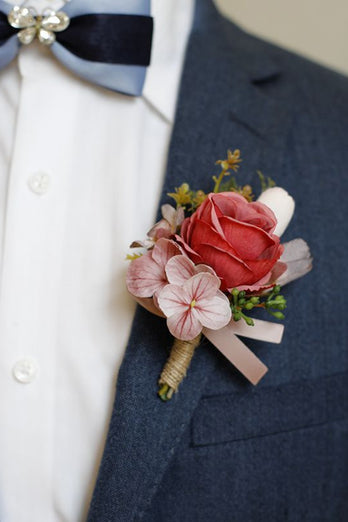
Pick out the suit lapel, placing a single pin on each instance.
(219, 107)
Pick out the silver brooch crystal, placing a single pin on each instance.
(34, 25)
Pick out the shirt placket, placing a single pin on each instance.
(32, 259)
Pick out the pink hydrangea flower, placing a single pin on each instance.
(180, 268)
(146, 275)
(196, 304)
(165, 228)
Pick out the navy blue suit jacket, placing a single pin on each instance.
(222, 450)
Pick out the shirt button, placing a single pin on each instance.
(39, 183)
(25, 371)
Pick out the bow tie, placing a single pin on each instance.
(107, 42)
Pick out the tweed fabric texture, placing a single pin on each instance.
(223, 450)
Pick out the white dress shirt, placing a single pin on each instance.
(80, 176)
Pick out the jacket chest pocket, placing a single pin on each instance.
(270, 410)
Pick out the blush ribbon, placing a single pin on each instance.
(231, 346)
(237, 352)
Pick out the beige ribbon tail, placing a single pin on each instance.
(237, 353)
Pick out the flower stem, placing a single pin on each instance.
(165, 392)
(219, 180)
(176, 366)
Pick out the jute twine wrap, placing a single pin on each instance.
(178, 362)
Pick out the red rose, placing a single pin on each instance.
(234, 237)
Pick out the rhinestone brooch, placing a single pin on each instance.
(32, 25)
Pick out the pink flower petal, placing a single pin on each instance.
(214, 313)
(161, 229)
(145, 276)
(188, 250)
(204, 268)
(202, 286)
(168, 213)
(184, 325)
(164, 250)
(179, 269)
(173, 216)
(173, 299)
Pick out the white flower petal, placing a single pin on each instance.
(298, 259)
(282, 204)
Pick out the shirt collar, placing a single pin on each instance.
(39, 5)
(172, 26)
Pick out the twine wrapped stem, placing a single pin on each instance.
(176, 366)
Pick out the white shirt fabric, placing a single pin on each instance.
(80, 177)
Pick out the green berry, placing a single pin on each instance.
(249, 321)
(278, 315)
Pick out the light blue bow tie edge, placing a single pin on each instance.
(128, 79)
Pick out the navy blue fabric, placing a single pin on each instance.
(222, 450)
(6, 31)
(326, 400)
(109, 38)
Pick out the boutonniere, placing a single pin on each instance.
(213, 260)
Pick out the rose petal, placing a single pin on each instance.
(229, 202)
(186, 228)
(196, 258)
(227, 267)
(261, 284)
(247, 240)
(205, 234)
(262, 266)
(265, 218)
(209, 212)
